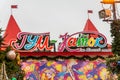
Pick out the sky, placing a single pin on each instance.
(54, 16)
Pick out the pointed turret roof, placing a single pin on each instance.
(90, 26)
(11, 31)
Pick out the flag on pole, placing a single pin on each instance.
(90, 11)
(14, 6)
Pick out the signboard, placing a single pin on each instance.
(28, 42)
(77, 42)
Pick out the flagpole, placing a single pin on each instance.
(88, 15)
(11, 10)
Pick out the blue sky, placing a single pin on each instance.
(54, 16)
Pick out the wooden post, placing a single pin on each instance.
(3, 72)
(114, 12)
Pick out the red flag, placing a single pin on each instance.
(90, 11)
(13, 6)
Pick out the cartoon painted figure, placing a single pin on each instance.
(48, 74)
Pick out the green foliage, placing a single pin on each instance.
(112, 62)
(115, 33)
(12, 68)
(1, 52)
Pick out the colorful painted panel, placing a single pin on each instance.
(70, 69)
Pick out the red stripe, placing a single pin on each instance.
(13, 6)
(26, 54)
(90, 11)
